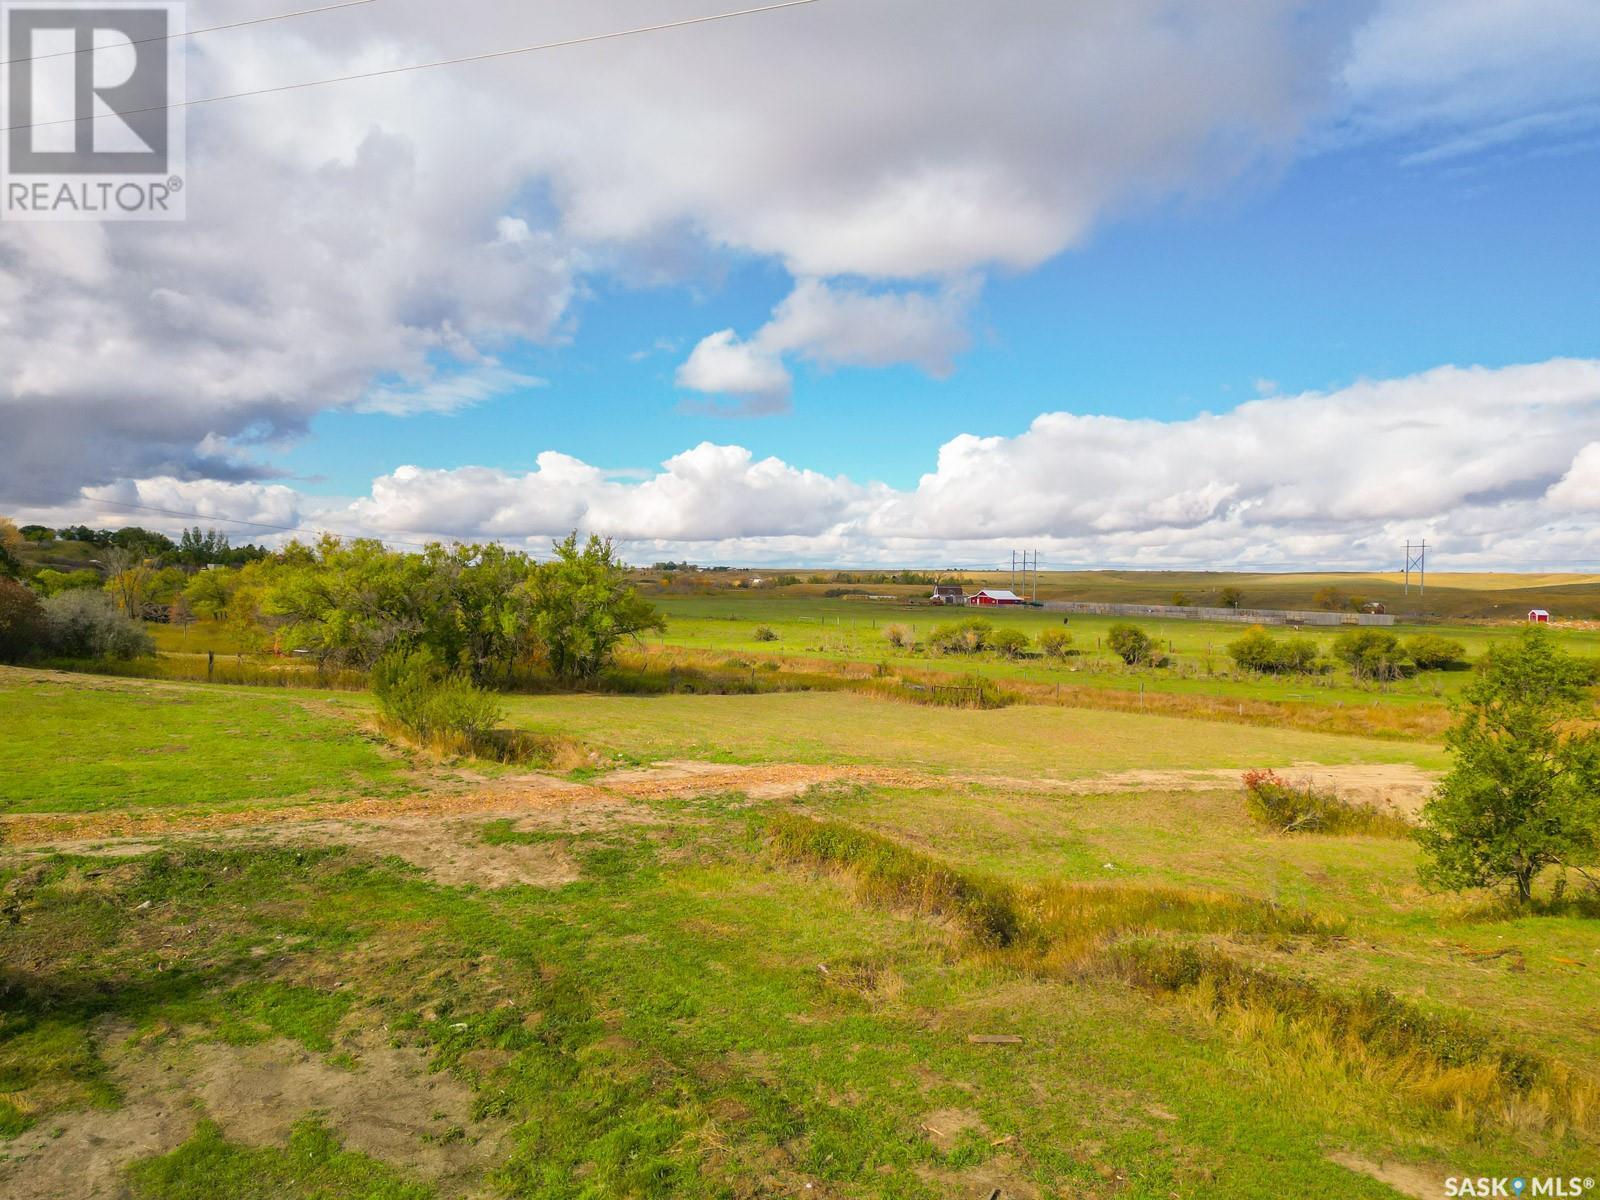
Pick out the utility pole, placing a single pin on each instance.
(1417, 561)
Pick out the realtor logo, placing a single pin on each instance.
(90, 128)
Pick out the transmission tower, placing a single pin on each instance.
(1417, 560)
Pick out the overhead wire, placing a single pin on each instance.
(188, 33)
(585, 39)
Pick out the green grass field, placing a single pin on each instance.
(1041, 742)
(71, 746)
(613, 983)
(811, 626)
(1449, 595)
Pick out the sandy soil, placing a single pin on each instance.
(1399, 787)
(1407, 1180)
(386, 1107)
(762, 781)
(530, 794)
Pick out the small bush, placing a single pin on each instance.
(1054, 644)
(962, 637)
(900, 637)
(766, 633)
(1012, 643)
(1371, 653)
(1259, 651)
(84, 624)
(1131, 644)
(1301, 808)
(1430, 652)
(434, 706)
(21, 622)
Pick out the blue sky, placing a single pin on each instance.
(1345, 265)
(1159, 283)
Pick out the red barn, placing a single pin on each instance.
(1539, 616)
(995, 596)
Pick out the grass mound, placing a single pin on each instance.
(1149, 937)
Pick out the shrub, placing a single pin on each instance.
(1012, 643)
(900, 636)
(1131, 644)
(1371, 653)
(50, 581)
(85, 624)
(21, 623)
(1288, 807)
(766, 633)
(1430, 652)
(962, 637)
(415, 693)
(1055, 643)
(1258, 650)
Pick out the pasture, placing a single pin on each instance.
(254, 949)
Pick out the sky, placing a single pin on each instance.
(902, 282)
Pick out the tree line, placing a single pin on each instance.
(478, 611)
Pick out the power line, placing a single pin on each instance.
(169, 37)
(427, 66)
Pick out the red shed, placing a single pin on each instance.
(994, 596)
(1539, 616)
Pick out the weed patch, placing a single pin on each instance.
(1288, 807)
(504, 832)
(313, 1166)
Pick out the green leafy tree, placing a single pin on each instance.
(351, 602)
(1230, 597)
(146, 542)
(196, 549)
(21, 622)
(51, 582)
(584, 606)
(207, 593)
(1524, 791)
(1131, 644)
(1180, 599)
(128, 577)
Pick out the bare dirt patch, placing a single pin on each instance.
(509, 795)
(452, 852)
(762, 781)
(384, 1107)
(1398, 787)
(945, 1126)
(1407, 1180)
